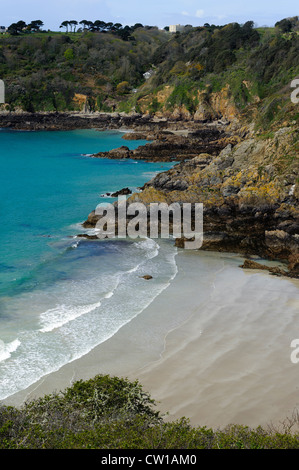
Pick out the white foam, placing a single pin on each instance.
(63, 314)
(109, 295)
(150, 246)
(69, 331)
(7, 349)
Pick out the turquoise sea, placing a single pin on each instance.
(60, 296)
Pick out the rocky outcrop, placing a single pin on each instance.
(119, 153)
(250, 264)
(121, 192)
(143, 124)
(169, 146)
(249, 193)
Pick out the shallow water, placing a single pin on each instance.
(60, 296)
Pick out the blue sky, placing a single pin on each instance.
(154, 12)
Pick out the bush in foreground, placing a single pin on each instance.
(114, 413)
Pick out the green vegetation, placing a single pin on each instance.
(45, 71)
(100, 66)
(113, 413)
(254, 64)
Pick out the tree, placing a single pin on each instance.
(17, 28)
(84, 23)
(117, 26)
(90, 25)
(125, 33)
(284, 25)
(109, 26)
(35, 25)
(99, 25)
(73, 23)
(65, 24)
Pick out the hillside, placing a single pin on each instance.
(203, 73)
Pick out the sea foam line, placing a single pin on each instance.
(63, 314)
(7, 349)
(10, 386)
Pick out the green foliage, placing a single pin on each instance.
(92, 63)
(183, 95)
(113, 413)
(43, 71)
(122, 88)
(288, 24)
(69, 54)
(154, 106)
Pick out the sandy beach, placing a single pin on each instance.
(214, 346)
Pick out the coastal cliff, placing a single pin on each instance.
(249, 190)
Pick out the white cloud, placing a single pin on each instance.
(199, 13)
(185, 13)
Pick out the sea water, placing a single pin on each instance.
(61, 296)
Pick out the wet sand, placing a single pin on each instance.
(213, 347)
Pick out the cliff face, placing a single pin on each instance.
(250, 194)
(207, 106)
(247, 181)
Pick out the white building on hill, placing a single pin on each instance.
(176, 28)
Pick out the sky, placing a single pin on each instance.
(148, 12)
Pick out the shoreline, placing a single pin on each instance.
(203, 350)
(195, 362)
(71, 120)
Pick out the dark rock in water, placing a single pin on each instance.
(147, 277)
(167, 146)
(119, 153)
(121, 192)
(91, 221)
(88, 237)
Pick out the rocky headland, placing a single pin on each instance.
(248, 185)
(170, 146)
